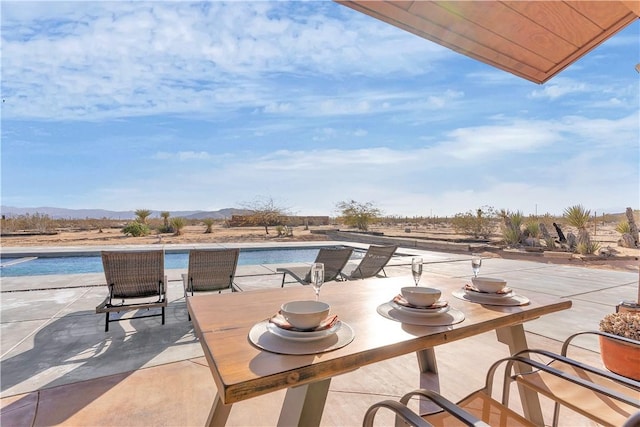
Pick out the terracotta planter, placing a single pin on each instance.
(620, 358)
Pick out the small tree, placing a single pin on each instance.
(178, 223)
(265, 212)
(359, 215)
(209, 223)
(142, 215)
(476, 223)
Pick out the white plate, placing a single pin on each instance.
(487, 294)
(303, 336)
(420, 311)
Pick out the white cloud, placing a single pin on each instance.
(182, 106)
(106, 60)
(560, 88)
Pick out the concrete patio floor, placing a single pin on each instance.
(59, 367)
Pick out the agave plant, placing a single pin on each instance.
(623, 227)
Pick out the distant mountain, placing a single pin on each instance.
(219, 214)
(62, 213)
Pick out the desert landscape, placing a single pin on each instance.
(617, 257)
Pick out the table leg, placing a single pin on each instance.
(429, 378)
(514, 337)
(219, 413)
(303, 405)
(427, 360)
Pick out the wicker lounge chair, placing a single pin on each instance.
(373, 262)
(211, 270)
(137, 276)
(334, 260)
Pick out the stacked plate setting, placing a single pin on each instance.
(297, 335)
(488, 288)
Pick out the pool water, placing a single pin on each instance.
(93, 264)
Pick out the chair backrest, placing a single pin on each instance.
(211, 269)
(134, 274)
(374, 261)
(334, 260)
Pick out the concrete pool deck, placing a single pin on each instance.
(59, 367)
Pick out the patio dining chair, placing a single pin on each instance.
(373, 262)
(334, 260)
(211, 270)
(478, 409)
(604, 397)
(136, 279)
(610, 401)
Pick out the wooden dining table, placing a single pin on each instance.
(242, 370)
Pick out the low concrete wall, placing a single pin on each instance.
(400, 241)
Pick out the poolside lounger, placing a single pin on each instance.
(373, 262)
(334, 260)
(137, 280)
(211, 270)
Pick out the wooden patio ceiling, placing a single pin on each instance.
(531, 39)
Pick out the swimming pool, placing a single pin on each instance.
(93, 264)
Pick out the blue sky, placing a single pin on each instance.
(183, 106)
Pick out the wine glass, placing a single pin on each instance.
(476, 263)
(317, 277)
(416, 269)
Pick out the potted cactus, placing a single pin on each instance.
(622, 356)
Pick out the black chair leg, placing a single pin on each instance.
(106, 323)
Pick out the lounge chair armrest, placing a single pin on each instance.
(399, 409)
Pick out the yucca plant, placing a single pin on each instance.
(142, 215)
(165, 218)
(209, 223)
(511, 236)
(533, 228)
(178, 224)
(512, 227)
(577, 216)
